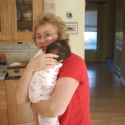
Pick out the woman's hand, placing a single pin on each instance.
(43, 61)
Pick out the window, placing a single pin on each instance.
(90, 34)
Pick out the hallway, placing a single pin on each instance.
(107, 95)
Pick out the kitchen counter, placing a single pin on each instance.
(12, 72)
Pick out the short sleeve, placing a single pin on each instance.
(73, 67)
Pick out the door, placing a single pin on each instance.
(13, 25)
(94, 26)
(90, 35)
(4, 16)
(7, 19)
(123, 52)
(24, 24)
(119, 36)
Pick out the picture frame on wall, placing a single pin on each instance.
(72, 27)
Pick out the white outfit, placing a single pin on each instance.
(41, 88)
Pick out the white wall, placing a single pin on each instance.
(77, 7)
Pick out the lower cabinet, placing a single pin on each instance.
(3, 104)
(17, 114)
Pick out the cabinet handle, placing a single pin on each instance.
(4, 27)
(16, 70)
(12, 28)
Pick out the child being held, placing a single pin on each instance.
(43, 81)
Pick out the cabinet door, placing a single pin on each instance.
(25, 25)
(13, 25)
(7, 20)
(17, 114)
(12, 20)
(118, 36)
(3, 104)
(4, 14)
(123, 52)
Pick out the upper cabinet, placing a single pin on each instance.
(16, 19)
(7, 20)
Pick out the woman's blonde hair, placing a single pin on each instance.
(56, 21)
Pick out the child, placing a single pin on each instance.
(43, 82)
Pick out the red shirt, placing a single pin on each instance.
(78, 110)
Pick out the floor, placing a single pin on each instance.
(107, 95)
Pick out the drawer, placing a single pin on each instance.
(15, 72)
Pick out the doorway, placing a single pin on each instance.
(90, 34)
(93, 32)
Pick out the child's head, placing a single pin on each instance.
(61, 48)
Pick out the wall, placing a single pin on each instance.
(18, 52)
(109, 30)
(77, 7)
(25, 51)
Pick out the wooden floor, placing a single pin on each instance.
(107, 95)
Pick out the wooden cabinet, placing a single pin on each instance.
(13, 29)
(3, 104)
(119, 50)
(123, 52)
(8, 20)
(118, 36)
(17, 114)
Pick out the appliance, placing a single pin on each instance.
(3, 71)
(16, 68)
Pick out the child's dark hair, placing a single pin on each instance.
(61, 48)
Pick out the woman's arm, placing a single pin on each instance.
(57, 104)
(42, 61)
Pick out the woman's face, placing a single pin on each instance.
(45, 35)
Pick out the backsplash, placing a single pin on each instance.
(25, 51)
(18, 52)
(49, 6)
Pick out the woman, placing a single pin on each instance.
(70, 100)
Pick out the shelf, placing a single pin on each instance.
(25, 20)
(23, 4)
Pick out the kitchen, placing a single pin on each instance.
(22, 48)
(17, 45)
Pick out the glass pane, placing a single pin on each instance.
(91, 18)
(90, 40)
(24, 17)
